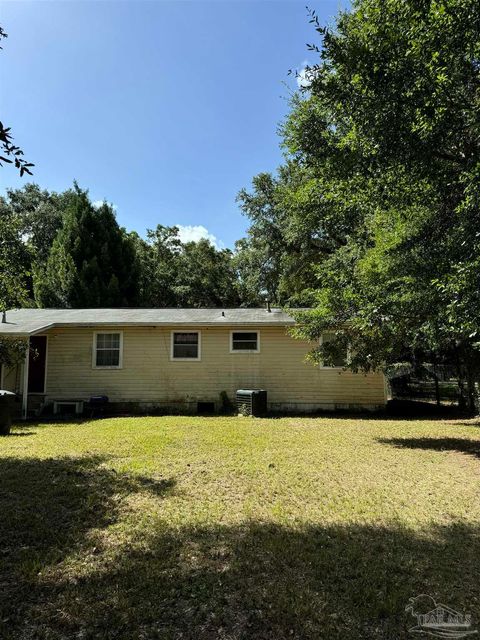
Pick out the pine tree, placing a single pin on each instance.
(92, 262)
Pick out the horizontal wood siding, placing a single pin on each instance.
(13, 379)
(148, 374)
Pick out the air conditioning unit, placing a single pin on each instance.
(252, 402)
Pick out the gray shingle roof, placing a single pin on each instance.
(28, 321)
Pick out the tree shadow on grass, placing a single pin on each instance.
(261, 581)
(17, 434)
(20, 430)
(460, 445)
(264, 581)
(47, 508)
(473, 422)
(251, 581)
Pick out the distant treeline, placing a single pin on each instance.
(59, 250)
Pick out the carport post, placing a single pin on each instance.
(25, 381)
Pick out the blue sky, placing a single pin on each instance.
(166, 109)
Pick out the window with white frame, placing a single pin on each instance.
(185, 345)
(245, 341)
(108, 350)
(339, 355)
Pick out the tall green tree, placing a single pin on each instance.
(40, 214)
(192, 274)
(14, 261)
(384, 149)
(205, 276)
(258, 258)
(295, 223)
(392, 110)
(92, 262)
(36, 215)
(164, 250)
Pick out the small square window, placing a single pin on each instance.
(245, 341)
(340, 354)
(186, 346)
(108, 350)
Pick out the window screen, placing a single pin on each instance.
(339, 356)
(185, 345)
(107, 350)
(243, 341)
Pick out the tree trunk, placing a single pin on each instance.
(462, 396)
(472, 398)
(437, 386)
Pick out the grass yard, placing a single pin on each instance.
(226, 528)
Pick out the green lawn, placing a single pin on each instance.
(232, 528)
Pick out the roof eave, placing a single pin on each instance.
(172, 324)
(110, 323)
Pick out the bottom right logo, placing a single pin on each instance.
(438, 620)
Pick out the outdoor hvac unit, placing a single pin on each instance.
(252, 402)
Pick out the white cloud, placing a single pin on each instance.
(194, 233)
(305, 75)
(98, 203)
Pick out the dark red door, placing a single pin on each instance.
(36, 364)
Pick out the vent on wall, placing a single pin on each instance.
(205, 407)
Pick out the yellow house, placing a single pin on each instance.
(167, 359)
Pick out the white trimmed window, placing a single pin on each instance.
(244, 342)
(185, 345)
(108, 350)
(340, 355)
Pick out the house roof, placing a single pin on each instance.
(23, 322)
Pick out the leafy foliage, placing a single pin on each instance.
(12, 351)
(9, 152)
(92, 262)
(386, 141)
(15, 260)
(57, 249)
(293, 228)
(373, 219)
(192, 274)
